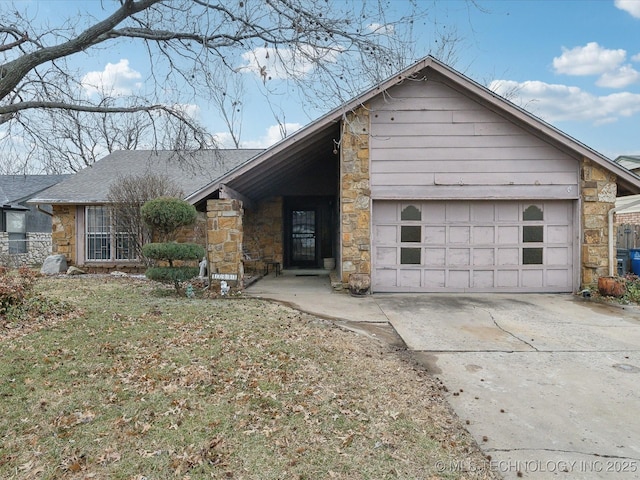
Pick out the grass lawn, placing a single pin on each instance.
(141, 385)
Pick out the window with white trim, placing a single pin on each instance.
(16, 223)
(103, 240)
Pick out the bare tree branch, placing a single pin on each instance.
(196, 52)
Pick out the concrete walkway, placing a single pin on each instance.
(310, 291)
(548, 385)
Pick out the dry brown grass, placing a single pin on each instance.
(145, 386)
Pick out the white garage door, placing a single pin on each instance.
(474, 246)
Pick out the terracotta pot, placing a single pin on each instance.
(611, 286)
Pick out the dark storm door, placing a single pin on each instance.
(303, 237)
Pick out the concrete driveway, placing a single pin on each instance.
(549, 384)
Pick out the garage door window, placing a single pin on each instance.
(532, 234)
(411, 213)
(410, 234)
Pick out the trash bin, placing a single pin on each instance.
(635, 260)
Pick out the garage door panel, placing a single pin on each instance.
(507, 279)
(484, 234)
(483, 212)
(459, 235)
(459, 279)
(558, 234)
(435, 212)
(473, 246)
(508, 235)
(410, 278)
(458, 212)
(386, 256)
(385, 212)
(558, 278)
(558, 255)
(483, 256)
(508, 256)
(434, 279)
(558, 212)
(507, 212)
(387, 233)
(436, 234)
(532, 278)
(435, 257)
(386, 277)
(483, 279)
(459, 256)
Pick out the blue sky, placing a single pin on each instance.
(575, 64)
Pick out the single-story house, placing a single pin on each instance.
(427, 182)
(83, 229)
(25, 230)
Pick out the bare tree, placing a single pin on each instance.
(195, 49)
(127, 195)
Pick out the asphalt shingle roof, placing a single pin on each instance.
(191, 171)
(18, 188)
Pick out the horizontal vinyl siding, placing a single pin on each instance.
(430, 141)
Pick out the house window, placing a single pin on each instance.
(16, 223)
(104, 241)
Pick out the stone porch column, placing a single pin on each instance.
(224, 241)
(355, 198)
(598, 192)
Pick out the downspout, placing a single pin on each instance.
(612, 247)
(43, 211)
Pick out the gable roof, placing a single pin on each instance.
(15, 189)
(189, 170)
(254, 178)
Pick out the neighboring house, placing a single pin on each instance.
(427, 182)
(628, 208)
(25, 233)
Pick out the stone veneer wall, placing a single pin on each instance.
(263, 230)
(224, 237)
(195, 233)
(38, 248)
(598, 192)
(63, 232)
(355, 196)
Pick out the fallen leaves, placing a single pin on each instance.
(214, 389)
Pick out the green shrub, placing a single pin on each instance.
(169, 252)
(175, 275)
(164, 215)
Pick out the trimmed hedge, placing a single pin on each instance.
(173, 251)
(174, 275)
(167, 214)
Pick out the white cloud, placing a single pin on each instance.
(272, 135)
(620, 78)
(116, 79)
(636, 58)
(387, 29)
(632, 7)
(591, 59)
(271, 63)
(565, 103)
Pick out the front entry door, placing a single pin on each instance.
(304, 239)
